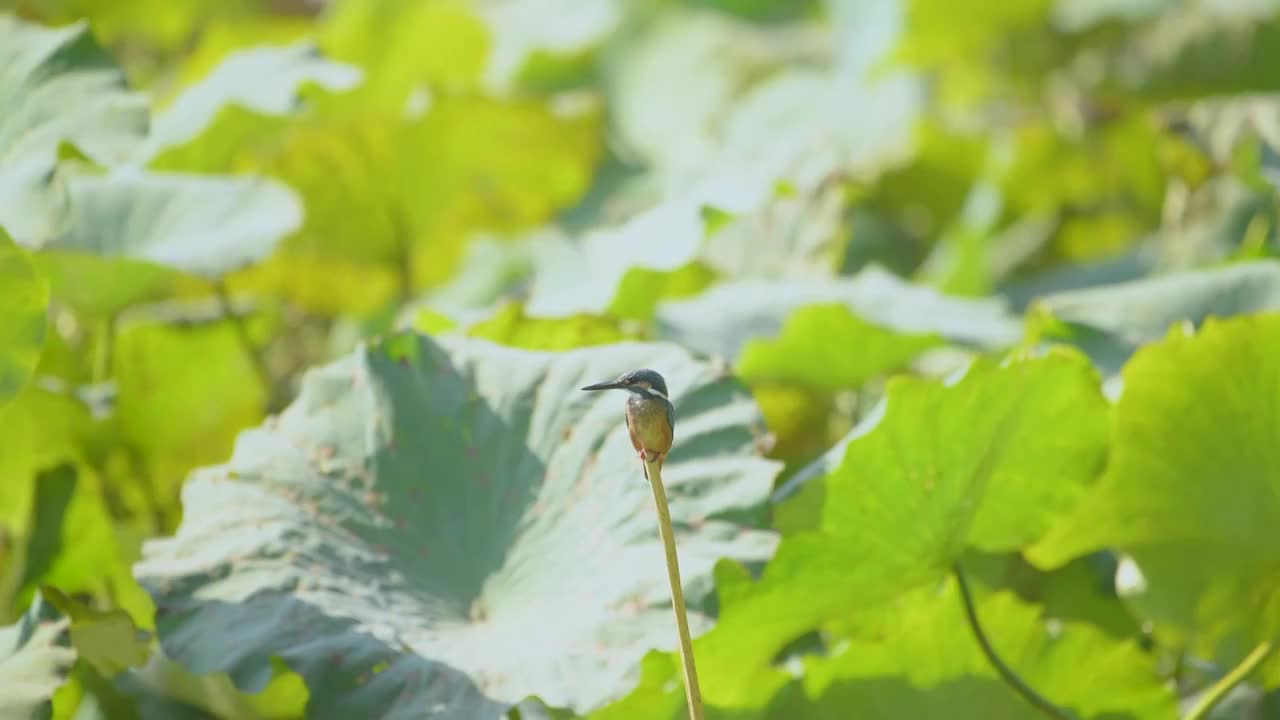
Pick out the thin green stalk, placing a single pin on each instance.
(691, 691)
(1219, 690)
(1005, 671)
(242, 334)
(104, 349)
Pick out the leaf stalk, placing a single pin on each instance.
(1006, 673)
(1219, 690)
(691, 690)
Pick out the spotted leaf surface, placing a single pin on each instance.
(454, 526)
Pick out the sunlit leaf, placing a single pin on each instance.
(58, 86)
(1191, 489)
(381, 192)
(24, 295)
(1142, 311)
(264, 80)
(158, 24)
(827, 347)
(34, 660)
(524, 561)
(406, 47)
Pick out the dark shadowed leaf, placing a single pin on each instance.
(454, 525)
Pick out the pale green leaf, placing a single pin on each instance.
(455, 525)
(383, 193)
(725, 317)
(34, 660)
(198, 372)
(201, 224)
(1140, 311)
(264, 80)
(58, 86)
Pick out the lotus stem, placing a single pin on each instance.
(1006, 673)
(1219, 690)
(691, 691)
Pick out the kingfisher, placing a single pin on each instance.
(651, 418)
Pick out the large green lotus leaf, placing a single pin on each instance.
(828, 347)
(406, 47)
(154, 24)
(724, 318)
(200, 372)
(743, 228)
(58, 86)
(918, 658)
(985, 461)
(1192, 490)
(24, 294)
(384, 193)
(264, 80)
(452, 524)
(204, 225)
(34, 659)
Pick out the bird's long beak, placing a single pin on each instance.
(609, 385)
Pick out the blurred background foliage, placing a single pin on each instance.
(200, 200)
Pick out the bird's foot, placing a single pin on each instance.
(647, 455)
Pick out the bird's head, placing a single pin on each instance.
(642, 382)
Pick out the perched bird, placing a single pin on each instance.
(651, 418)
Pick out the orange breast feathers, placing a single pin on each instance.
(650, 428)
